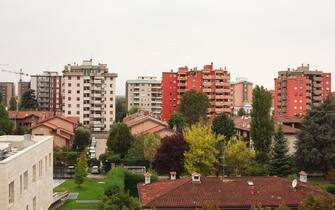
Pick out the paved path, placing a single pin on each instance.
(101, 147)
(57, 182)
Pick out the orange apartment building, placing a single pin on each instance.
(214, 82)
(241, 95)
(298, 90)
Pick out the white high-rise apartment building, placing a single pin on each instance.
(89, 92)
(145, 93)
(26, 172)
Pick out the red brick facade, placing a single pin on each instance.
(297, 91)
(214, 82)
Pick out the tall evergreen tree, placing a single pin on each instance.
(6, 125)
(12, 104)
(120, 139)
(224, 125)
(193, 106)
(28, 100)
(280, 163)
(120, 109)
(261, 123)
(316, 141)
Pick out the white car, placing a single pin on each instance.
(95, 170)
(92, 155)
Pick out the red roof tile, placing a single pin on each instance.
(25, 114)
(231, 192)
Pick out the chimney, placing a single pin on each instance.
(147, 176)
(173, 175)
(196, 177)
(303, 176)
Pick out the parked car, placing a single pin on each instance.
(95, 170)
(92, 155)
(70, 170)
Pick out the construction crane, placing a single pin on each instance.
(20, 73)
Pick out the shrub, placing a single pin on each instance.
(115, 181)
(132, 179)
(330, 188)
(67, 158)
(120, 201)
(331, 176)
(256, 169)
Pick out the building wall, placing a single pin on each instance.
(22, 87)
(214, 82)
(58, 142)
(241, 93)
(7, 90)
(144, 93)
(15, 166)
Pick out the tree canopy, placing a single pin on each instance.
(280, 163)
(313, 202)
(178, 120)
(170, 155)
(28, 100)
(237, 156)
(144, 147)
(193, 106)
(224, 125)
(120, 109)
(81, 138)
(241, 112)
(261, 126)
(202, 152)
(6, 125)
(120, 139)
(12, 104)
(80, 169)
(316, 141)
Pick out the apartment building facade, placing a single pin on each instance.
(214, 82)
(22, 87)
(89, 92)
(298, 90)
(7, 90)
(48, 91)
(144, 93)
(26, 172)
(241, 95)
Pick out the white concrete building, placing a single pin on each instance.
(145, 93)
(26, 172)
(89, 92)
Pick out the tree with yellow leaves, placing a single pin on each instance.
(202, 152)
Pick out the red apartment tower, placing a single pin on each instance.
(214, 82)
(298, 90)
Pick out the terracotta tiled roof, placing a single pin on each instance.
(25, 114)
(288, 119)
(230, 192)
(289, 129)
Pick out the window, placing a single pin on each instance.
(25, 180)
(11, 192)
(34, 173)
(69, 91)
(78, 78)
(78, 112)
(69, 98)
(69, 78)
(21, 184)
(78, 99)
(78, 84)
(49, 159)
(34, 203)
(78, 105)
(40, 168)
(78, 91)
(69, 105)
(69, 84)
(69, 112)
(46, 163)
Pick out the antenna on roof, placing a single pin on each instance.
(294, 183)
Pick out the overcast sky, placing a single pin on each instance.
(253, 39)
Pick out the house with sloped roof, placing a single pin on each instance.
(145, 122)
(60, 127)
(227, 193)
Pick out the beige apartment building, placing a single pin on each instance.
(145, 93)
(89, 92)
(48, 90)
(22, 87)
(26, 172)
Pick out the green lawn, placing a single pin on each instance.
(91, 189)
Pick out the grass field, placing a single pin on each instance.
(91, 189)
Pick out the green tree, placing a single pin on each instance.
(12, 104)
(120, 109)
(316, 141)
(144, 147)
(237, 156)
(81, 138)
(134, 110)
(6, 125)
(120, 139)
(193, 106)
(224, 125)
(28, 100)
(261, 123)
(280, 163)
(22, 130)
(241, 112)
(202, 152)
(1, 97)
(177, 120)
(313, 202)
(119, 201)
(81, 169)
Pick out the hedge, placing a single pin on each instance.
(115, 181)
(132, 179)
